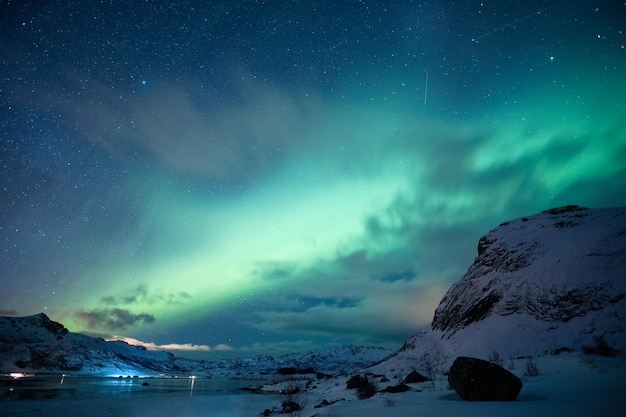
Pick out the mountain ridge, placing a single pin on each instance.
(36, 344)
(538, 283)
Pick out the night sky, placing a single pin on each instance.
(252, 177)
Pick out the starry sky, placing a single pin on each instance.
(227, 178)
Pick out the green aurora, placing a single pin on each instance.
(245, 209)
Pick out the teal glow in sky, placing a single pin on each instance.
(232, 178)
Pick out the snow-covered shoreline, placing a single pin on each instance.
(568, 384)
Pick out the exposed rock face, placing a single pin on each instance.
(543, 283)
(36, 343)
(478, 380)
(555, 266)
(36, 328)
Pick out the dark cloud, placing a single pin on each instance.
(114, 319)
(348, 296)
(143, 295)
(407, 275)
(384, 267)
(9, 313)
(368, 324)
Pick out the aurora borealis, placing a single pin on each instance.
(246, 177)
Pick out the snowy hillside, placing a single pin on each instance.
(539, 283)
(332, 360)
(38, 344)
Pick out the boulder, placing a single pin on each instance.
(394, 389)
(414, 377)
(357, 382)
(479, 380)
(365, 388)
(290, 407)
(324, 403)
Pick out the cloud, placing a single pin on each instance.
(373, 321)
(8, 313)
(191, 130)
(144, 296)
(112, 319)
(238, 139)
(186, 347)
(308, 301)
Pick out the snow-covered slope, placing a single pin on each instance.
(330, 360)
(38, 344)
(551, 280)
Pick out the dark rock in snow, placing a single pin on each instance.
(414, 377)
(563, 349)
(365, 388)
(324, 403)
(394, 389)
(293, 371)
(479, 380)
(290, 407)
(357, 382)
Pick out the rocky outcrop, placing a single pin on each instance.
(38, 344)
(479, 380)
(555, 266)
(364, 387)
(395, 389)
(538, 283)
(414, 377)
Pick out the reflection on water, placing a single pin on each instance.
(66, 386)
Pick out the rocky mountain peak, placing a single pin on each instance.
(556, 265)
(35, 328)
(539, 284)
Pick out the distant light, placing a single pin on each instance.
(16, 375)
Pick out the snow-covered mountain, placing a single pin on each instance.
(539, 283)
(38, 344)
(330, 360)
